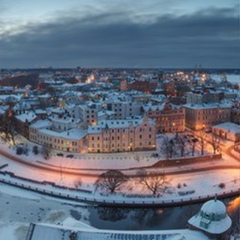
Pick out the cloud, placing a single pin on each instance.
(114, 39)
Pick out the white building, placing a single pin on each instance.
(229, 131)
(88, 113)
(123, 108)
(122, 136)
(73, 140)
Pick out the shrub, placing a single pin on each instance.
(19, 151)
(179, 185)
(35, 150)
(221, 185)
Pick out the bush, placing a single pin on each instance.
(35, 150)
(221, 185)
(19, 151)
(46, 153)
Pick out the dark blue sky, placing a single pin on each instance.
(119, 33)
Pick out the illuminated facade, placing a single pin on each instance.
(168, 117)
(122, 136)
(69, 141)
(199, 116)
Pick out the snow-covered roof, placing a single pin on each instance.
(73, 134)
(228, 126)
(9, 96)
(41, 124)
(49, 231)
(61, 120)
(40, 111)
(207, 106)
(114, 124)
(28, 116)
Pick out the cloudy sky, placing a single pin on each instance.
(119, 33)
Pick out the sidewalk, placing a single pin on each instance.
(118, 200)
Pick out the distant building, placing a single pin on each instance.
(22, 122)
(88, 113)
(169, 88)
(235, 112)
(124, 85)
(143, 86)
(123, 108)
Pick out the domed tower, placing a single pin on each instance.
(212, 219)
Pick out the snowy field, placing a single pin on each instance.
(20, 207)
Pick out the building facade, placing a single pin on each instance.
(168, 117)
(122, 136)
(73, 140)
(200, 116)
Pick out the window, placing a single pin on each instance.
(92, 138)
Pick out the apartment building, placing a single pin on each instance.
(122, 136)
(72, 140)
(123, 109)
(199, 116)
(168, 117)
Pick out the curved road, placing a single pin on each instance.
(130, 172)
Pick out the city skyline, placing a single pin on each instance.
(119, 34)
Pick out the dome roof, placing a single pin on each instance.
(214, 208)
(212, 218)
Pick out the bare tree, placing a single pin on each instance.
(168, 147)
(201, 137)
(8, 125)
(157, 184)
(215, 142)
(46, 152)
(181, 141)
(193, 143)
(111, 180)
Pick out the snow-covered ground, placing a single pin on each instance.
(232, 78)
(15, 216)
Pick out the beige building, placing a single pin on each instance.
(227, 131)
(68, 141)
(168, 117)
(122, 136)
(199, 116)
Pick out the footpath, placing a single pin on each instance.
(118, 200)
